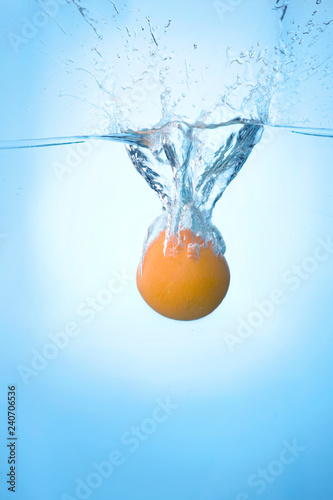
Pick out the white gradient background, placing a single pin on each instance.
(64, 240)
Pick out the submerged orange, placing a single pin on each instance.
(187, 281)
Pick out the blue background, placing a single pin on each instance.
(63, 240)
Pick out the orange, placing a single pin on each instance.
(187, 281)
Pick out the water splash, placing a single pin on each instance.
(187, 131)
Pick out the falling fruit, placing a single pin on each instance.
(183, 278)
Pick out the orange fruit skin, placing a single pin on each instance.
(180, 286)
